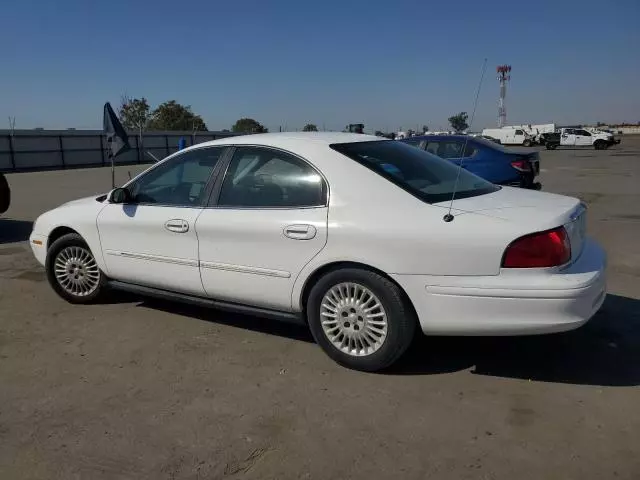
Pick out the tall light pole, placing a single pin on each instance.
(504, 75)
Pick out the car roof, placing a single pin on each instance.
(441, 137)
(285, 139)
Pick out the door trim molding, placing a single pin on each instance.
(245, 269)
(153, 258)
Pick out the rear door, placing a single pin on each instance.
(266, 221)
(568, 137)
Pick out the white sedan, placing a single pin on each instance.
(348, 233)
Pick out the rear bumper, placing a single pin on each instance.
(526, 302)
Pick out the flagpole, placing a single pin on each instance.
(113, 173)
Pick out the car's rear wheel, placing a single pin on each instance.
(72, 270)
(360, 319)
(5, 194)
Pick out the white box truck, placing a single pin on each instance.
(510, 136)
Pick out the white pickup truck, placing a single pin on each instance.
(578, 137)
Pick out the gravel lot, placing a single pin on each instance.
(150, 390)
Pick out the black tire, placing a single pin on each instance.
(599, 145)
(60, 245)
(527, 143)
(401, 320)
(5, 194)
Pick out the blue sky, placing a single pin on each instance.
(387, 64)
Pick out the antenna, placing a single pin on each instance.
(448, 217)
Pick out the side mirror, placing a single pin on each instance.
(120, 195)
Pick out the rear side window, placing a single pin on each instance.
(260, 177)
(413, 141)
(451, 149)
(420, 173)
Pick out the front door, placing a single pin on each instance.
(151, 239)
(583, 138)
(269, 221)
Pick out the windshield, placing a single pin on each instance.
(420, 173)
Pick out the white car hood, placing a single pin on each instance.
(535, 209)
(84, 200)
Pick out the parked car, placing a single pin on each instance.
(355, 236)
(579, 137)
(485, 158)
(5, 194)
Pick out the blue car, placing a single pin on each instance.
(485, 158)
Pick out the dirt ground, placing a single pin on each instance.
(142, 389)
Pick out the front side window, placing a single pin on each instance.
(519, 132)
(260, 177)
(420, 173)
(180, 181)
(584, 133)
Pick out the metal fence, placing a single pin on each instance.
(32, 150)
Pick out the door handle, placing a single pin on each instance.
(177, 225)
(300, 232)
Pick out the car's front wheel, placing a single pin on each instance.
(360, 319)
(72, 270)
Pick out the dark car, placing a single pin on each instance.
(485, 158)
(5, 194)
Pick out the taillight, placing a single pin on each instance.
(538, 250)
(521, 165)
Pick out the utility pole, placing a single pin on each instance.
(504, 75)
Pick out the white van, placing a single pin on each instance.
(509, 136)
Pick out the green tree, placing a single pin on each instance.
(459, 122)
(173, 116)
(248, 125)
(134, 113)
(310, 127)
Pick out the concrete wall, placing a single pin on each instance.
(28, 150)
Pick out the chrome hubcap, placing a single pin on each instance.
(77, 271)
(353, 319)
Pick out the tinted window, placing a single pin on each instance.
(583, 133)
(180, 181)
(569, 131)
(451, 149)
(422, 174)
(262, 177)
(413, 141)
(519, 132)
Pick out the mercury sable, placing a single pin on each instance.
(354, 235)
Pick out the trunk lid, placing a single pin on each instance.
(529, 211)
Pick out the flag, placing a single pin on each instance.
(117, 140)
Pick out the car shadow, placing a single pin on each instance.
(606, 352)
(12, 231)
(293, 331)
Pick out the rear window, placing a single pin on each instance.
(420, 173)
